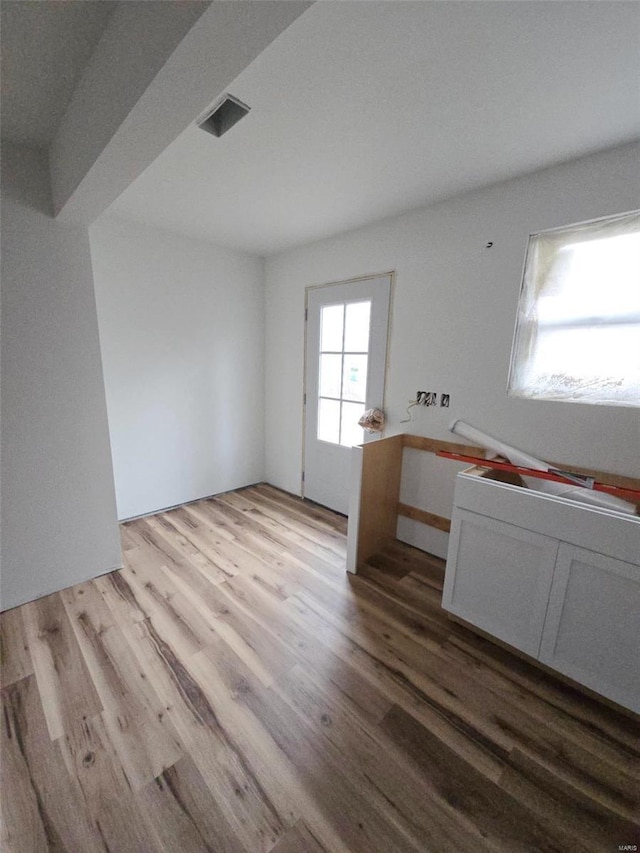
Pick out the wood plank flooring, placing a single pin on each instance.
(232, 689)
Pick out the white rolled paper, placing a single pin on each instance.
(519, 457)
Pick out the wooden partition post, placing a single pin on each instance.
(374, 500)
(375, 491)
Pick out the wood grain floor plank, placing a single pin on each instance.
(611, 728)
(263, 758)
(120, 598)
(174, 535)
(184, 574)
(237, 560)
(143, 737)
(481, 754)
(247, 809)
(413, 624)
(452, 698)
(283, 563)
(233, 622)
(412, 803)
(185, 815)
(164, 604)
(304, 645)
(556, 737)
(67, 690)
(24, 828)
(288, 535)
(220, 565)
(421, 563)
(337, 810)
(315, 512)
(267, 540)
(15, 657)
(424, 591)
(289, 520)
(91, 758)
(231, 538)
(357, 816)
(559, 807)
(299, 839)
(42, 804)
(474, 797)
(129, 538)
(233, 689)
(390, 578)
(243, 594)
(227, 682)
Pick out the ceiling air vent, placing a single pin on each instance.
(227, 113)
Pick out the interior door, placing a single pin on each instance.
(346, 353)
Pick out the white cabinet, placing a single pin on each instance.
(592, 629)
(502, 579)
(555, 579)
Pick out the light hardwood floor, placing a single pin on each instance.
(233, 689)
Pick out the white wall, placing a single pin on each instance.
(58, 506)
(182, 337)
(452, 326)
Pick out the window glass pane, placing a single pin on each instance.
(356, 332)
(354, 386)
(598, 279)
(329, 420)
(330, 375)
(578, 325)
(601, 362)
(331, 323)
(350, 432)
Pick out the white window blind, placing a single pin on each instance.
(578, 324)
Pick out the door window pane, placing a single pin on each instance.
(329, 420)
(331, 327)
(330, 375)
(354, 385)
(350, 432)
(343, 358)
(356, 333)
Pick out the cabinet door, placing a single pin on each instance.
(592, 629)
(498, 577)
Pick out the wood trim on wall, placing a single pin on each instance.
(433, 445)
(429, 518)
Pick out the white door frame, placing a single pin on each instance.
(313, 287)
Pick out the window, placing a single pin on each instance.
(344, 349)
(578, 325)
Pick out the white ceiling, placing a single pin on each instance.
(45, 47)
(361, 110)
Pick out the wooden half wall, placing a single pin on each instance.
(374, 501)
(376, 469)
